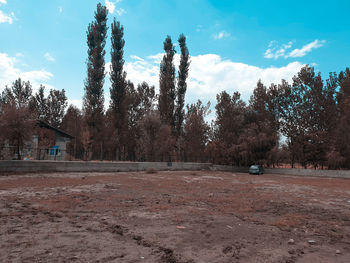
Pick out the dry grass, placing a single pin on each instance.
(207, 217)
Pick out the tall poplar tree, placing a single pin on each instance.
(181, 84)
(167, 92)
(118, 89)
(94, 98)
(118, 75)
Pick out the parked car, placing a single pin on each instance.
(256, 169)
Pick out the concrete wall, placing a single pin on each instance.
(54, 166)
(58, 166)
(228, 168)
(286, 171)
(309, 172)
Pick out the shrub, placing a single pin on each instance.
(151, 170)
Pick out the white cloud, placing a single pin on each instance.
(143, 70)
(276, 51)
(156, 58)
(209, 75)
(110, 6)
(121, 12)
(77, 103)
(307, 48)
(136, 58)
(9, 72)
(49, 57)
(218, 75)
(221, 35)
(4, 18)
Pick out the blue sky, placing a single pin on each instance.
(232, 43)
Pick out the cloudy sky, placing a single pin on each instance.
(232, 43)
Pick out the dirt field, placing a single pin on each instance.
(173, 217)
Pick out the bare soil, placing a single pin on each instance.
(173, 217)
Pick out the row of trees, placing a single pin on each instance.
(124, 121)
(305, 122)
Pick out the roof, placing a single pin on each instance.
(60, 132)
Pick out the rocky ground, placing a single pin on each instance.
(173, 217)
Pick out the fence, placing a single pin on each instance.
(31, 153)
(58, 154)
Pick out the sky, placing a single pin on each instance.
(232, 43)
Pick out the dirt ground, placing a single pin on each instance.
(201, 216)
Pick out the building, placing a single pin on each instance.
(53, 152)
(48, 143)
